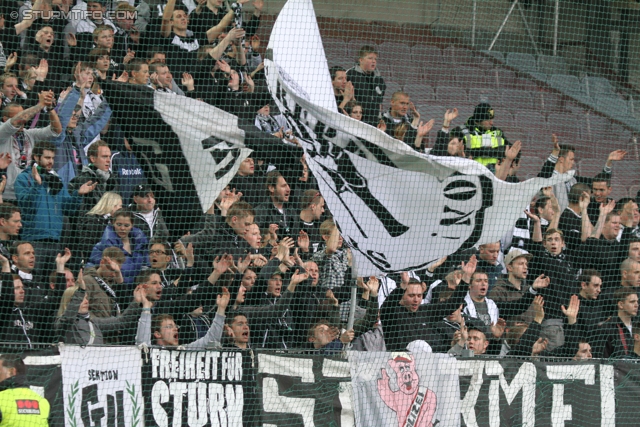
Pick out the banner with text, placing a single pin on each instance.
(197, 388)
(101, 386)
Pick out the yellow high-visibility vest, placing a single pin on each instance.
(23, 407)
(489, 139)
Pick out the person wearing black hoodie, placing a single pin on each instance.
(28, 321)
(368, 84)
(97, 171)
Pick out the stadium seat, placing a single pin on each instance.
(398, 53)
(590, 167)
(438, 73)
(633, 190)
(386, 71)
(597, 86)
(529, 167)
(451, 97)
(523, 62)
(516, 100)
(548, 101)
(473, 76)
(552, 65)
(392, 87)
(612, 105)
(569, 85)
(494, 54)
(457, 55)
(405, 74)
(530, 119)
(484, 94)
(426, 54)
(506, 78)
(420, 93)
(334, 46)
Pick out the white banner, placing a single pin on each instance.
(403, 389)
(397, 209)
(102, 386)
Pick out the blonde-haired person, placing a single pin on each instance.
(76, 325)
(92, 225)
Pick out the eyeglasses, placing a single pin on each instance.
(156, 252)
(170, 327)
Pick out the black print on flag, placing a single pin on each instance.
(201, 388)
(225, 158)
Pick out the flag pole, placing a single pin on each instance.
(354, 293)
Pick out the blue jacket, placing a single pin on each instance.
(65, 161)
(133, 262)
(41, 211)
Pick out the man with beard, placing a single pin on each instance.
(276, 215)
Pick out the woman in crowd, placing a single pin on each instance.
(75, 324)
(130, 240)
(91, 226)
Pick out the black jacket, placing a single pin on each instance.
(87, 174)
(369, 89)
(401, 326)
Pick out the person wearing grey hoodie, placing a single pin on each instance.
(76, 325)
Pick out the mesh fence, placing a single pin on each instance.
(330, 213)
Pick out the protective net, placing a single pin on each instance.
(334, 213)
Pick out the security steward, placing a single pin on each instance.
(484, 142)
(19, 405)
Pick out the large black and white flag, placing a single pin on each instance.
(396, 208)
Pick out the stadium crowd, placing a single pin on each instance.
(93, 261)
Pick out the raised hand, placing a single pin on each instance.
(607, 208)
(539, 346)
(556, 146)
(541, 282)
(331, 298)
(222, 264)
(124, 77)
(572, 311)
(80, 279)
(298, 277)
(538, 309)
(188, 82)
(258, 260)
(5, 160)
(62, 259)
(223, 66)
(243, 264)
(348, 92)
(531, 216)
(303, 241)
(469, 268)
(498, 329)
(616, 155)
(129, 56)
(87, 187)
(222, 301)
(255, 43)
(424, 128)
(11, 61)
(382, 126)
(71, 39)
(36, 176)
(512, 152)
(449, 116)
(296, 258)
(347, 336)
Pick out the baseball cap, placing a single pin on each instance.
(142, 190)
(483, 112)
(516, 253)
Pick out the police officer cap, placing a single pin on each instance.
(483, 112)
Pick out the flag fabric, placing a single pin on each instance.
(404, 389)
(397, 209)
